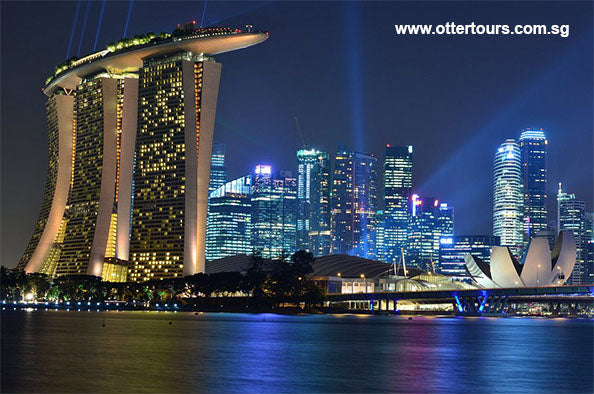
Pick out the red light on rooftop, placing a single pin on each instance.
(387, 145)
(194, 22)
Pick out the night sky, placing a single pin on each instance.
(341, 69)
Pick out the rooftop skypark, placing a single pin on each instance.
(188, 37)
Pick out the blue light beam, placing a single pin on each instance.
(259, 5)
(353, 62)
(99, 25)
(128, 18)
(203, 13)
(84, 26)
(74, 23)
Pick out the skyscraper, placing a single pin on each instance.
(533, 149)
(452, 251)
(274, 213)
(508, 196)
(218, 171)
(398, 166)
(229, 227)
(130, 131)
(589, 250)
(353, 201)
(571, 215)
(444, 225)
(313, 195)
(429, 221)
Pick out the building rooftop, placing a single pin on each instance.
(126, 55)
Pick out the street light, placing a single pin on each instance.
(537, 271)
(363, 277)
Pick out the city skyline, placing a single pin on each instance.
(435, 167)
(267, 196)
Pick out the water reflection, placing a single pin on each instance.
(164, 352)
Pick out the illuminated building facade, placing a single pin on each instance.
(218, 171)
(353, 201)
(589, 249)
(379, 235)
(540, 266)
(130, 132)
(429, 222)
(453, 250)
(91, 231)
(274, 213)
(313, 199)
(571, 216)
(533, 149)
(398, 167)
(228, 228)
(508, 196)
(44, 248)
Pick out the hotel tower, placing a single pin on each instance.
(130, 132)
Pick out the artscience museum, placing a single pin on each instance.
(540, 265)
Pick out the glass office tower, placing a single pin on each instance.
(353, 201)
(533, 149)
(398, 167)
(313, 198)
(274, 213)
(453, 250)
(218, 170)
(508, 197)
(429, 222)
(228, 228)
(571, 215)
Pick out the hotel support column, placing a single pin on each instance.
(63, 107)
(126, 167)
(201, 89)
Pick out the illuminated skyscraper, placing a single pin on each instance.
(429, 222)
(589, 249)
(313, 195)
(508, 196)
(398, 167)
(353, 201)
(533, 148)
(228, 229)
(452, 251)
(218, 171)
(130, 132)
(274, 213)
(444, 224)
(571, 215)
(379, 235)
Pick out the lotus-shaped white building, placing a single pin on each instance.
(540, 267)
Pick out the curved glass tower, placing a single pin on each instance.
(130, 137)
(508, 195)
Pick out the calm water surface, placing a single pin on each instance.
(59, 351)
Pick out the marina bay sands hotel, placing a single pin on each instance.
(130, 132)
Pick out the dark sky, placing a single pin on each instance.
(343, 71)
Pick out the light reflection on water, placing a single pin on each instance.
(59, 351)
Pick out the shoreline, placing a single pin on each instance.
(93, 307)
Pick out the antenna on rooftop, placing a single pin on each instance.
(299, 130)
